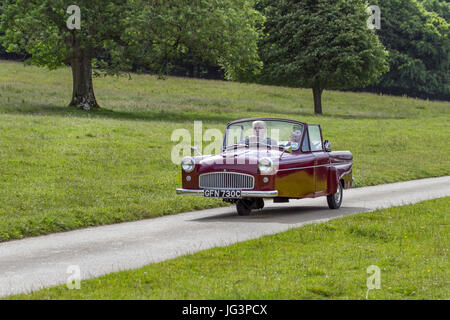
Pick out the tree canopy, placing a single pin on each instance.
(115, 35)
(418, 42)
(320, 44)
(441, 7)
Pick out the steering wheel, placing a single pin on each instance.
(264, 141)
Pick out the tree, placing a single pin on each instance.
(219, 31)
(319, 44)
(2, 49)
(115, 35)
(418, 42)
(441, 7)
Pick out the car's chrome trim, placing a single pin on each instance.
(244, 193)
(226, 180)
(319, 166)
(303, 168)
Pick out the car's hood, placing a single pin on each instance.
(240, 160)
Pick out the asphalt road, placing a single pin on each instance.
(34, 263)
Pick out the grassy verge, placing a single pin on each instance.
(62, 169)
(326, 261)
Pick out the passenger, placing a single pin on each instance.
(295, 139)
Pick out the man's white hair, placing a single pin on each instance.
(255, 123)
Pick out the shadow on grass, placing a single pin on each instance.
(103, 113)
(157, 115)
(351, 117)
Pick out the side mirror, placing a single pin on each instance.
(327, 145)
(194, 150)
(286, 148)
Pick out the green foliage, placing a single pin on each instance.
(123, 33)
(325, 43)
(218, 31)
(419, 49)
(441, 7)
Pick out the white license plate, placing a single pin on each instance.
(222, 193)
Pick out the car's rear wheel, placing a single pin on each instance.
(335, 200)
(244, 207)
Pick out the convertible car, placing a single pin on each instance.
(269, 158)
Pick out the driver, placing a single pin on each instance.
(260, 131)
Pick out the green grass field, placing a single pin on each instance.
(62, 169)
(327, 261)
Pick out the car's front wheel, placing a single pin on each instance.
(244, 207)
(335, 200)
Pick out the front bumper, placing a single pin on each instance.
(244, 193)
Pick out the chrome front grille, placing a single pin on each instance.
(226, 180)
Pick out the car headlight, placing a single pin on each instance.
(188, 164)
(265, 166)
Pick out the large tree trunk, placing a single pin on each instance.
(317, 93)
(83, 96)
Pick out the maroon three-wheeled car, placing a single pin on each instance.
(269, 158)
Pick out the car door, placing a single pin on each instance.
(321, 159)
